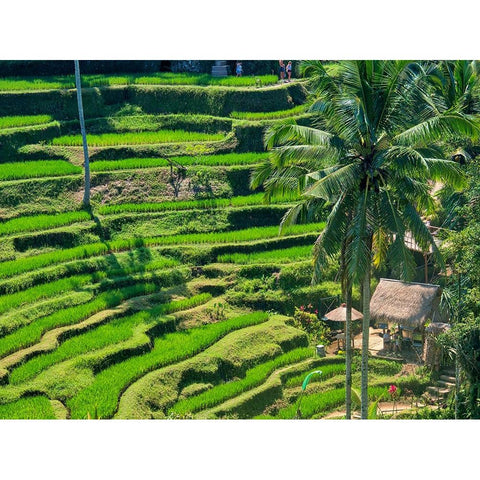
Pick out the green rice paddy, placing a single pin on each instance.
(161, 136)
(67, 82)
(24, 121)
(228, 159)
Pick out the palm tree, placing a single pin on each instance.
(456, 82)
(86, 195)
(370, 157)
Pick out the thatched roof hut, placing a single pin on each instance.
(404, 303)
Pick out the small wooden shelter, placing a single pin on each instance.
(407, 305)
(340, 315)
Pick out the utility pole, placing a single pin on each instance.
(86, 195)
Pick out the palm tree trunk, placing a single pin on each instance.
(365, 337)
(86, 195)
(457, 388)
(348, 353)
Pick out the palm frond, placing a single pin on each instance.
(438, 127)
(288, 132)
(446, 171)
(342, 179)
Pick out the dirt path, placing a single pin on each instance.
(385, 408)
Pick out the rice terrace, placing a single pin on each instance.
(239, 239)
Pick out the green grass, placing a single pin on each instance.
(114, 332)
(24, 121)
(32, 333)
(37, 169)
(47, 290)
(292, 254)
(137, 138)
(240, 201)
(42, 222)
(68, 81)
(253, 377)
(29, 408)
(298, 110)
(103, 394)
(227, 159)
(15, 267)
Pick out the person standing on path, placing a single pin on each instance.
(289, 71)
(398, 341)
(239, 69)
(282, 70)
(387, 341)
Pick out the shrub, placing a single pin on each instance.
(239, 180)
(61, 104)
(314, 294)
(309, 322)
(259, 270)
(299, 274)
(216, 312)
(249, 137)
(269, 300)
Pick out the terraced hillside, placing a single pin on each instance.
(172, 295)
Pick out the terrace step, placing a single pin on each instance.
(445, 384)
(438, 392)
(448, 378)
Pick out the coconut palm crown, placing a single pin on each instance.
(371, 157)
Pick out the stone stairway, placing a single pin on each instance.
(444, 385)
(220, 69)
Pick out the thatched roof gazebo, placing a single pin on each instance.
(340, 314)
(405, 303)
